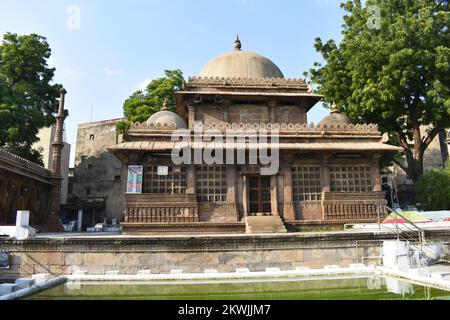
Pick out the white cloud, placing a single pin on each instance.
(143, 85)
(110, 72)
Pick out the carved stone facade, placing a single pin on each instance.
(328, 173)
(27, 186)
(23, 186)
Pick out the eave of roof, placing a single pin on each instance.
(320, 146)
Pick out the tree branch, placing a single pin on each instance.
(401, 137)
(430, 137)
(401, 165)
(437, 5)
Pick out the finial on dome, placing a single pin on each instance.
(237, 44)
(165, 106)
(334, 108)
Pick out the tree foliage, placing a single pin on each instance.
(397, 75)
(433, 190)
(27, 96)
(142, 104)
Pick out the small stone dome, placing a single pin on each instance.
(241, 64)
(335, 117)
(165, 116)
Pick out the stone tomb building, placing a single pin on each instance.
(328, 174)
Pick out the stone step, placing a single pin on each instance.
(264, 224)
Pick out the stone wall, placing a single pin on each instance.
(46, 136)
(193, 254)
(98, 173)
(250, 113)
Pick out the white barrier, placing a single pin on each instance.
(22, 230)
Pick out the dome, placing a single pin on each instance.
(166, 116)
(241, 64)
(335, 117)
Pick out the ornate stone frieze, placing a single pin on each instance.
(282, 127)
(274, 82)
(196, 244)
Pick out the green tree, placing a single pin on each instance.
(141, 105)
(397, 75)
(27, 96)
(433, 190)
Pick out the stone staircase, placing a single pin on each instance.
(264, 224)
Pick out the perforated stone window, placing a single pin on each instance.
(211, 183)
(173, 183)
(307, 183)
(351, 178)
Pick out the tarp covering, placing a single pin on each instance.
(418, 217)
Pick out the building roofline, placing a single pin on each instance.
(99, 122)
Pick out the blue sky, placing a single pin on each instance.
(121, 44)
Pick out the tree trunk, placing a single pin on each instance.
(414, 153)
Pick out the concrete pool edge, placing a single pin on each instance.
(34, 289)
(423, 280)
(227, 276)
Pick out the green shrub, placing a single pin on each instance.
(433, 190)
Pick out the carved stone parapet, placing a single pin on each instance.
(150, 208)
(354, 206)
(293, 127)
(273, 82)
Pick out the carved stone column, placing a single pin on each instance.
(375, 166)
(245, 197)
(231, 189)
(272, 110)
(303, 115)
(53, 222)
(192, 117)
(325, 168)
(225, 110)
(326, 185)
(274, 195)
(286, 171)
(191, 180)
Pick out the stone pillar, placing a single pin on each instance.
(80, 220)
(231, 190)
(303, 115)
(192, 117)
(302, 110)
(245, 197)
(225, 110)
(286, 170)
(191, 180)
(274, 195)
(375, 165)
(325, 168)
(325, 172)
(53, 222)
(272, 110)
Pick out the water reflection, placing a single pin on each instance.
(362, 288)
(402, 288)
